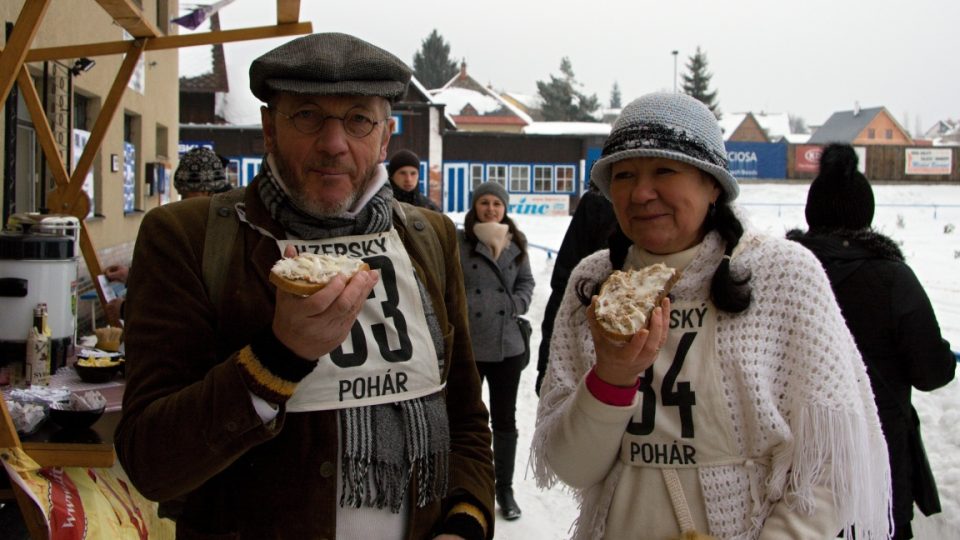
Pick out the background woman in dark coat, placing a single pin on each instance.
(592, 223)
(499, 285)
(887, 312)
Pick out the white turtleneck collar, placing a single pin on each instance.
(638, 258)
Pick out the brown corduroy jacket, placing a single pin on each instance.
(189, 434)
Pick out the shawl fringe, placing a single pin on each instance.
(839, 450)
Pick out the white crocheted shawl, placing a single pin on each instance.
(793, 381)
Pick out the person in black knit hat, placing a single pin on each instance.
(888, 314)
(404, 173)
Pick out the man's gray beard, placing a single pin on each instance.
(319, 210)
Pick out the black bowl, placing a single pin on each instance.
(97, 374)
(68, 418)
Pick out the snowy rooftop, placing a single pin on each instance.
(775, 124)
(567, 128)
(530, 101)
(457, 98)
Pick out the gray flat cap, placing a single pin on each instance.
(329, 65)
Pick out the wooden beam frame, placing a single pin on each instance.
(170, 42)
(64, 200)
(129, 16)
(20, 39)
(68, 196)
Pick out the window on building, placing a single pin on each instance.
(81, 108)
(565, 178)
(871, 133)
(519, 178)
(161, 150)
(498, 174)
(542, 178)
(889, 134)
(128, 164)
(476, 175)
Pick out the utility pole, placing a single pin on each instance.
(674, 53)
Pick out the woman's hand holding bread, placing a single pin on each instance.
(629, 321)
(621, 363)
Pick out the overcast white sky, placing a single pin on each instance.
(807, 58)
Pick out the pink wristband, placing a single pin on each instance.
(611, 394)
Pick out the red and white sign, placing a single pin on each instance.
(808, 158)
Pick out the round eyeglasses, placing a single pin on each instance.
(356, 121)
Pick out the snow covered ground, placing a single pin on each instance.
(917, 216)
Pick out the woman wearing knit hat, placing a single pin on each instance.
(889, 314)
(743, 410)
(202, 172)
(499, 286)
(404, 173)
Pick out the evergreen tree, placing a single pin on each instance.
(562, 102)
(615, 98)
(432, 65)
(797, 124)
(696, 83)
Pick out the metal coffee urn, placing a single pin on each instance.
(38, 265)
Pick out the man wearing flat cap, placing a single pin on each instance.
(354, 412)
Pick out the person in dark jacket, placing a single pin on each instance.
(887, 312)
(499, 285)
(404, 173)
(592, 223)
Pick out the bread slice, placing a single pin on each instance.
(307, 273)
(628, 298)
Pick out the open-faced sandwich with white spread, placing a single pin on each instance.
(628, 298)
(307, 273)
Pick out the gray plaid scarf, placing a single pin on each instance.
(381, 444)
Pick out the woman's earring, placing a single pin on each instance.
(712, 211)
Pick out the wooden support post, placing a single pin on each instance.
(288, 11)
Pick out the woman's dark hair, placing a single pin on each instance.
(727, 292)
(518, 237)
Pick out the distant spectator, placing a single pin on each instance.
(591, 225)
(202, 172)
(499, 285)
(888, 314)
(404, 173)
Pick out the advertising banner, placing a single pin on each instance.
(749, 160)
(539, 205)
(935, 161)
(807, 158)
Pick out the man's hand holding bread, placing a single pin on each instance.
(312, 325)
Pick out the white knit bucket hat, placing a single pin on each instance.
(667, 125)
